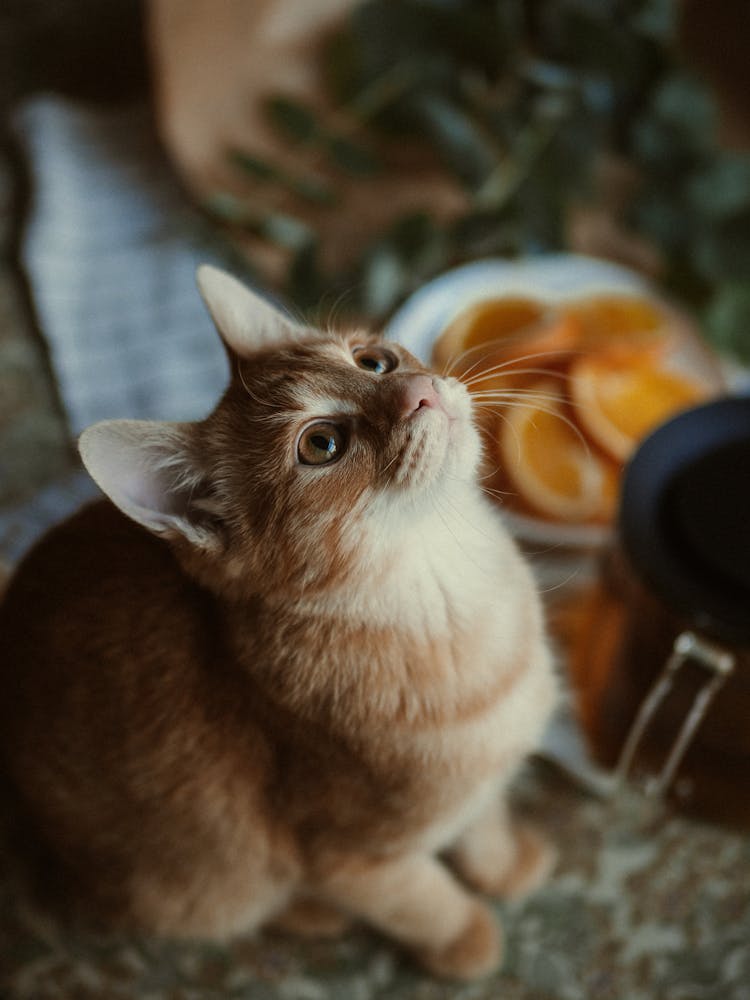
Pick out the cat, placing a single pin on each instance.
(286, 669)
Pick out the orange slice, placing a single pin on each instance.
(618, 399)
(606, 320)
(485, 322)
(550, 463)
(546, 349)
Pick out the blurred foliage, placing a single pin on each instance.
(521, 100)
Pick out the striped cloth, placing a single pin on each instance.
(110, 248)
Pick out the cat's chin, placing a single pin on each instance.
(442, 450)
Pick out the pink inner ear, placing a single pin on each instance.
(144, 469)
(126, 459)
(149, 492)
(247, 323)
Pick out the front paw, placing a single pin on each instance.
(475, 952)
(515, 866)
(311, 918)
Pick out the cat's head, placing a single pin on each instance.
(324, 446)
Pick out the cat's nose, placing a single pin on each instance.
(419, 392)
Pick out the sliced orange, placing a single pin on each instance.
(618, 399)
(485, 322)
(545, 349)
(606, 321)
(549, 461)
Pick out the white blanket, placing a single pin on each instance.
(110, 248)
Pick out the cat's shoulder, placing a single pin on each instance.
(95, 545)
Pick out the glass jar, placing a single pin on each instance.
(659, 647)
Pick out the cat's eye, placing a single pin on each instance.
(375, 359)
(321, 443)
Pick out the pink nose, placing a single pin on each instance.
(419, 392)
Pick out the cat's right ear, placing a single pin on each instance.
(146, 469)
(247, 323)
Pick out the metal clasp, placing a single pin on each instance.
(719, 664)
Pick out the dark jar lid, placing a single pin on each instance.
(684, 518)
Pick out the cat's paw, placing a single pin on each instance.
(475, 952)
(534, 861)
(515, 869)
(311, 918)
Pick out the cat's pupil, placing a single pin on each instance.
(373, 364)
(322, 443)
(375, 359)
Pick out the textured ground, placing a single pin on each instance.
(642, 907)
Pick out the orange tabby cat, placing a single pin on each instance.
(292, 659)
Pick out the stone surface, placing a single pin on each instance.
(642, 906)
(34, 445)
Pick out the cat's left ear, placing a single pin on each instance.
(146, 469)
(247, 323)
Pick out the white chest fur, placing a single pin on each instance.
(455, 579)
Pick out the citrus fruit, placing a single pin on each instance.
(484, 323)
(618, 399)
(608, 320)
(550, 463)
(546, 349)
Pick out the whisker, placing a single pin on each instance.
(248, 390)
(503, 372)
(506, 420)
(510, 394)
(395, 458)
(441, 513)
(515, 361)
(501, 495)
(455, 359)
(508, 339)
(331, 312)
(576, 571)
(544, 409)
(487, 475)
(451, 367)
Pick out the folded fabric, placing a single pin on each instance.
(21, 525)
(110, 248)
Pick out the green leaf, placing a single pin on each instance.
(664, 220)
(657, 19)
(306, 284)
(722, 188)
(254, 166)
(352, 157)
(486, 233)
(386, 280)
(291, 118)
(464, 146)
(312, 189)
(687, 106)
(286, 231)
(307, 186)
(728, 319)
(519, 98)
(722, 252)
(228, 208)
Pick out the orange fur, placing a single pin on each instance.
(274, 687)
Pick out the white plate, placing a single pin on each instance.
(551, 277)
